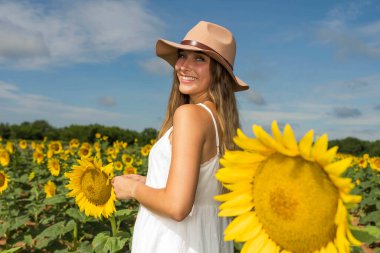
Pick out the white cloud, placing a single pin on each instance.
(366, 88)
(157, 66)
(305, 114)
(17, 106)
(255, 97)
(346, 112)
(107, 101)
(350, 39)
(64, 32)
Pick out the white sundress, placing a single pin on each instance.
(202, 230)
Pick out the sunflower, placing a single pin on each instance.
(111, 152)
(287, 196)
(53, 166)
(4, 179)
(10, 147)
(38, 157)
(4, 157)
(145, 150)
(90, 184)
(130, 170)
(50, 189)
(74, 143)
(97, 147)
(375, 163)
(118, 165)
(55, 147)
(85, 150)
(127, 159)
(23, 144)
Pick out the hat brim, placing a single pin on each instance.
(168, 51)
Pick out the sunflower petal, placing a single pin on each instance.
(277, 133)
(289, 138)
(338, 167)
(305, 145)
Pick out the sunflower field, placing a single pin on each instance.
(56, 196)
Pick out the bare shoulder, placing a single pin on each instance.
(190, 113)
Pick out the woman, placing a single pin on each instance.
(177, 211)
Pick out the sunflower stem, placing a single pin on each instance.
(75, 235)
(113, 225)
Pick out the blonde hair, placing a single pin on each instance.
(221, 94)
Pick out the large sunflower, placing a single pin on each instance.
(90, 184)
(287, 196)
(3, 181)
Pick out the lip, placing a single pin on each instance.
(187, 78)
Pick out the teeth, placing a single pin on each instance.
(188, 78)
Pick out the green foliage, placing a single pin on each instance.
(367, 185)
(56, 224)
(30, 222)
(356, 147)
(39, 129)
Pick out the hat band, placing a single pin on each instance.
(197, 44)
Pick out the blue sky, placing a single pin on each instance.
(313, 64)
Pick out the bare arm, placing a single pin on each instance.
(177, 198)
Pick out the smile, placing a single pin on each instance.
(187, 78)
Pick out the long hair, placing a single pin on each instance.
(221, 94)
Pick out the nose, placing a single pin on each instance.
(183, 64)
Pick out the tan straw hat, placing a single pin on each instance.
(214, 40)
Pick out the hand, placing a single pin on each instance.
(124, 186)
(136, 177)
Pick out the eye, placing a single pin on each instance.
(200, 58)
(181, 54)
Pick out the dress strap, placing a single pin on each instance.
(216, 126)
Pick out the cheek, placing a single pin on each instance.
(176, 66)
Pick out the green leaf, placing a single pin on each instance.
(57, 199)
(368, 201)
(103, 243)
(18, 222)
(76, 214)
(28, 239)
(372, 230)
(363, 236)
(85, 247)
(357, 250)
(371, 217)
(49, 234)
(4, 227)
(69, 227)
(99, 241)
(123, 212)
(11, 250)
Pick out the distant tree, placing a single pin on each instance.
(351, 145)
(148, 134)
(5, 130)
(41, 129)
(374, 148)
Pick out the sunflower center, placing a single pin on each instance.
(96, 187)
(2, 179)
(296, 202)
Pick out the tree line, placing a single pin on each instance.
(40, 129)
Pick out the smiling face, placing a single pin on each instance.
(193, 72)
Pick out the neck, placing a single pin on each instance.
(199, 99)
